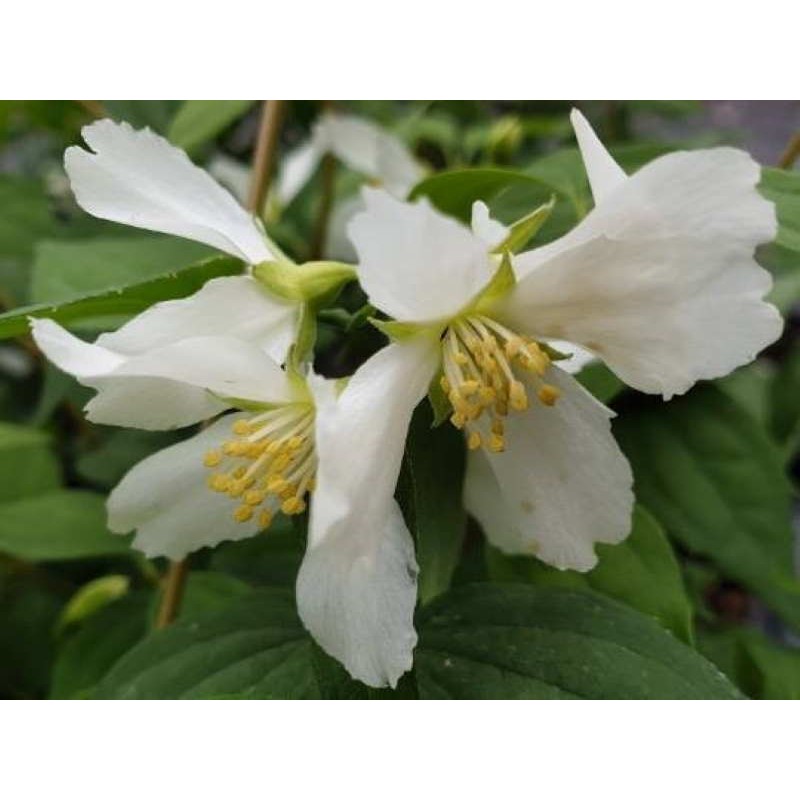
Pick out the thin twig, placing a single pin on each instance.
(320, 233)
(324, 209)
(174, 584)
(791, 153)
(265, 152)
(93, 107)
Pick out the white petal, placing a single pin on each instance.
(237, 306)
(297, 168)
(707, 194)
(415, 263)
(561, 486)
(140, 179)
(578, 357)
(168, 386)
(605, 175)
(662, 313)
(370, 150)
(223, 365)
(166, 500)
(488, 230)
(71, 354)
(151, 404)
(356, 589)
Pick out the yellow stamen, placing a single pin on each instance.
(474, 440)
(243, 513)
(549, 394)
(213, 458)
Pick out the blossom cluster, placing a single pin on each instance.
(658, 281)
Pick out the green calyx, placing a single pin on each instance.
(303, 283)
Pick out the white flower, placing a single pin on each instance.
(359, 144)
(659, 281)
(229, 480)
(140, 371)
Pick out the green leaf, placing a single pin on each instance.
(28, 465)
(496, 641)
(641, 572)
(783, 188)
(126, 300)
(782, 257)
(69, 270)
(255, 649)
(270, 559)
(116, 451)
(26, 218)
(200, 121)
(600, 381)
(430, 495)
(93, 596)
(761, 668)
(453, 192)
(784, 402)
(29, 607)
(89, 653)
(710, 475)
(58, 526)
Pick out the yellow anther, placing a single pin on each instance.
(219, 483)
(517, 396)
(236, 488)
(254, 497)
(311, 485)
(243, 513)
(239, 472)
(288, 492)
(474, 440)
(460, 358)
(549, 394)
(276, 485)
(487, 395)
(242, 428)
(513, 346)
(254, 450)
(498, 427)
(469, 387)
(501, 408)
(229, 448)
(212, 458)
(445, 384)
(497, 443)
(458, 419)
(281, 462)
(265, 519)
(293, 505)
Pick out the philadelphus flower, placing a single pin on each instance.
(658, 281)
(186, 361)
(138, 178)
(359, 144)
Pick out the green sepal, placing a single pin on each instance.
(305, 338)
(552, 353)
(440, 403)
(397, 331)
(91, 598)
(502, 282)
(302, 283)
(523, 230)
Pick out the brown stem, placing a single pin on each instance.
(791, 153)
(93, 107)
(174, 584)
(264, 156)
(324, 209)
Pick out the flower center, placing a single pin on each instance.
(268, 464)
(481, 359)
